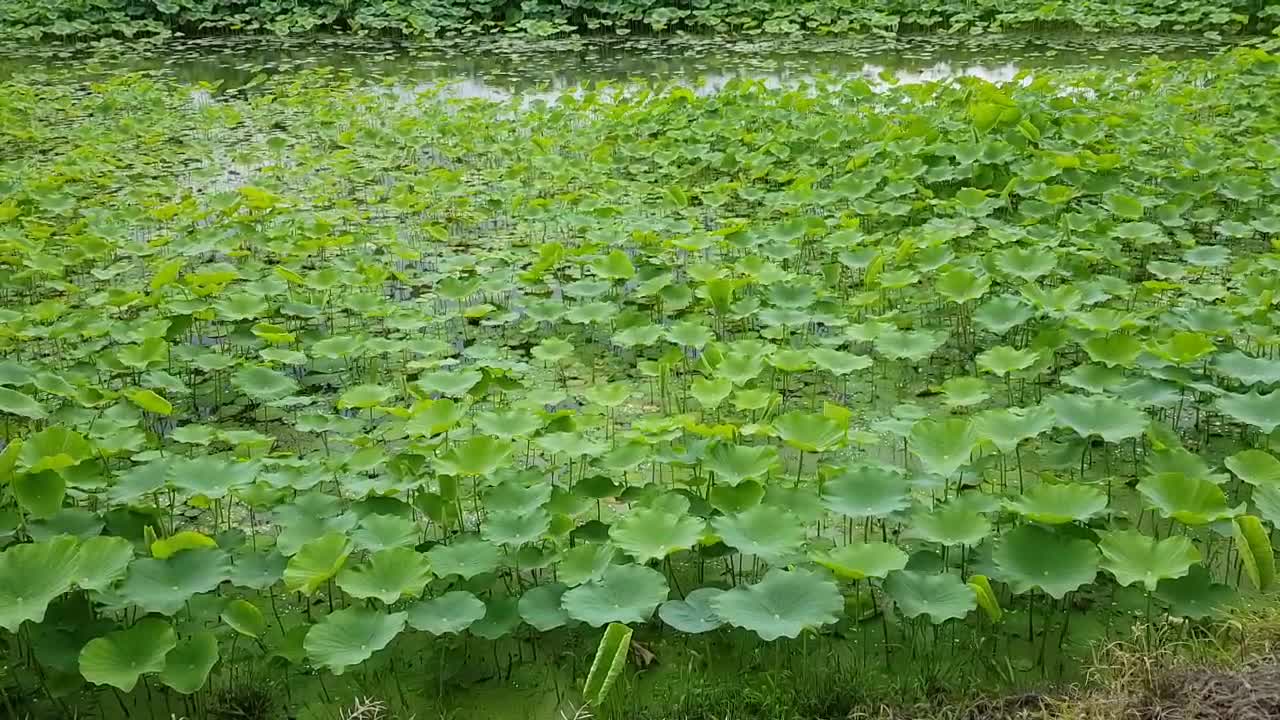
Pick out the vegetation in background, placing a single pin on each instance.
(36, 19)
(321, 384)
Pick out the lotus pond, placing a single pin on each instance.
(314, 386)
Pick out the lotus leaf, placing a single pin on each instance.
(349, 637)
(940, 597)
(120, 658)
(622, 594)
(783, 604)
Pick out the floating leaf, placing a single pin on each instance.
(120, 658)
(1133, 557)
(622, 594)
(1030, 557)
(349, 637)
(783, 604)
(940, 597)
(450, 613)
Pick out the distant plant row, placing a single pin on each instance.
(40, 19)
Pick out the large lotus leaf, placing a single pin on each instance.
(572, 444)
(655, 532)
(32, 575)
(1189, 500)
(259, 570)
(366, 396)
(1248, 370)
(187, 666)
(452, 612)
(245, 618)
(465, 557)
(1112, 420)
(119, 658)
(695, 613)
(185, 540)
(501, 617)
(55, 448)
(165, 586)
(1133, 557)
(263, 384)
(1058, 503)
(940, 597)
(101, 560)
(1255, 467)
(810, 432)
(622, 594)
(942, 446)
(867, 491)
(387, 575)
(911, 345)
(40, 494)
(1195, 595)
(585, 562)
(838, 362)
(859, 561)
(540, 607)
(733, 464)
(766, 531)
(731, 499)
(1001, 314)
(316, 563)
(16, 403)
(515, 496)
(212, 477)
(349, 637)
(1253, 408)
(480, 455)
(1032, 557)
(1006, 427)
(508, 423)
(379, 532)
(951, 524)
(516, 528)
(783, 604)
(1002, 360)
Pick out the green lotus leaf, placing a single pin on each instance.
(859, 561)
(733, 464)
(316, 563)
(516, 528)
(212, 477)
(965, 391)
(837, 362)
(1195, 595)
(1256, 467)
(1056, 503)
(349, 637)
(584, 563)
(388, 575)
(165, 548)
(150, 401)
(480, 455)
(245, 618)
(1252, 408)
(962, 285)
(940, 597)
(363, 397)
(867, 491)
(22, 405)
(1003, 360)
(951, 524)
(783, 604)
(573, 444)
(40, 494)
(942, 446)
(1253, 544)
(501, 618)
(101, 560)
(1113, 350)
(914, 345)
(259, 570)
(450, 382)
(32, 575)
(694, 614)
(765, 531)
(450, 613)
(1001, 314)
(610, 659)
(710, 392)
(1248, 370)
(187, 666)
(731, 499)
(1134, 557)
(380, 532)
(810, 432)
(165, 586)
(1007, 427)
(464, 557)
(655, 532)
(1110, 419)
(1189, 500)
(540, 607)
(986, 597)
(263, 384)
(55, 448)
(1030, 557)
(120, 658)
(508, 423)
(622, 594)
